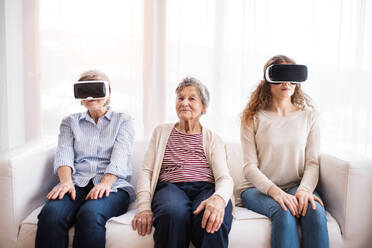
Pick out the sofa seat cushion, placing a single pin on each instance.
(249, 229)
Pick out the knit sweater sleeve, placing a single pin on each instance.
(250, 167)
(312, 150)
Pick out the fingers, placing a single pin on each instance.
(49, 195)
(295, 205)
(312, 203)
(318, 200)
(291, 207)
(134, 226)
(200, 208)
(55, 194)
(97, 192)
(211, 220)
(217, 224)
(149, 225)
(281, 202)
(206, 215)
(300, 204)
(306, 204)
(73, 193)
(101, 192)
(62, 193)
(139, 225)
(88, 195)
(143, 223)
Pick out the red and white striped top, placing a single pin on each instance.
(184, 159)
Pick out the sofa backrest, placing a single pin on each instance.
(234, 158)
(139, 151)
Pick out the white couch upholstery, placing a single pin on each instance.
(26, 175)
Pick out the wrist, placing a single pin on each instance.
(108, 179)
(274, 190)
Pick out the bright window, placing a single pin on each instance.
(76, 36)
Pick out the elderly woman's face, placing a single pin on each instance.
(189, 105)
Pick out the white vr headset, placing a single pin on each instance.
(91, 90)
(278, 73)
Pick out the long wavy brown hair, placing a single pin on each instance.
(261, 97)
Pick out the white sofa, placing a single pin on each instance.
(26, 175)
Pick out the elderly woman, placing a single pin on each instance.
(185, 187)
(93, 165)
(280, 143)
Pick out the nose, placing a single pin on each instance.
(185, 102)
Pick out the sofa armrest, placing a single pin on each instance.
(25, 178)
(345, 187)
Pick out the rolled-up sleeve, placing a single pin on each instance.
(122, 151)
(65, 150)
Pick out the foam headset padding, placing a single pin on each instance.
(286, 73)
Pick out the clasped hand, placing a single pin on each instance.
(297, 204)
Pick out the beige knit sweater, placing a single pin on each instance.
(281, 150)
(213, 149)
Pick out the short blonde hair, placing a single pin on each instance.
(92, 75)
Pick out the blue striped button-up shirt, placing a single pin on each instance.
(92, 150)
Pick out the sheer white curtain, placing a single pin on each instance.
(147, 47)
(90, 34)
(226, 43)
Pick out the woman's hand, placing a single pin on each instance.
(284, 199)
(60, 190)
(304, 197)
(142, 221)
(98, 190)
(104, 187)
(213, 214)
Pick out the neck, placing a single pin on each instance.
(189, 127)
(97, 113)
(282, 107)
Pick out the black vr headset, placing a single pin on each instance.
(91, 90)
(279, 73)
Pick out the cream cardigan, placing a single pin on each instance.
(214, 150)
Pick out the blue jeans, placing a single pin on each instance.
(284, 231)
(175, 224)
(88, 216)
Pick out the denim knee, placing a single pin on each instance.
(52, 216)
(285, 218)
(175, 212)
(90, 217)
(317, 217)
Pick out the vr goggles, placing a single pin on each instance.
(89, 90)
(279, 73)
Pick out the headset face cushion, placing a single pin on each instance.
(279, 73)
(90, 90)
